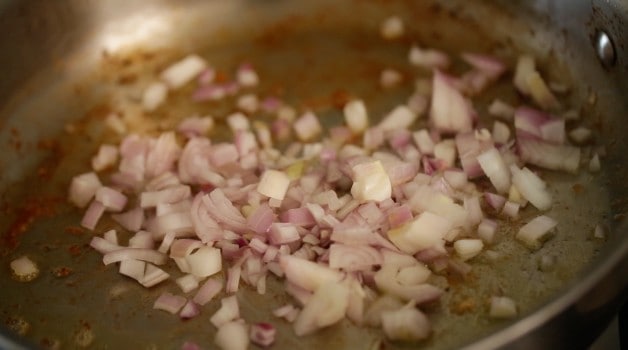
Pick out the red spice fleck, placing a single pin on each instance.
(31, 209)
(75, 250)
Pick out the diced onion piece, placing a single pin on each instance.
(181, 72)
(525, 67)
(327, 306)
(24, 269)
(450, 111)
(262, 334)
(502, 307)
(401, 117)
(541, 94)
(282, 233)
(110, 198)
(407, 324)
(426, 231)
(599, 232)
(424, 141)
(232, 336)
(187, 283)
(247, 76)
(154, 96)
(501, 133)
(446, 151)
(189, 310)
(143, 254)
(428, 58)
(228, 311)
(169, 302)
(385, 302)
(391, 28)
(274, 184)
(511, 209)
(487, 65)
(356, 116)
(370, 182)
(531, 187)
(456, 178)
(83, 188)
(487, 230)
(594, 163)
(390, 78)
(238, 121)
(306, 274)
(468, 248)
(534, 231)
(353, 258)
(495, 169)
(580, 135)
(106, 157)
(307, 127)
(133, 268)
(206, 261)
(208, 291)
(501, 109)
(196, 126)
(413, 275)
(248, 103)
(153, 276)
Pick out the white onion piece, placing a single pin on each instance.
(580, 134)
(391, 28)
(424, 141)
(469, 147)
(83, 188)
(531, 187)
(229, 311)
(223, 211)
(24, 269)
(169, 195)
(401, 117)
(370, 182)
(196, 126)
(282, 233)
(525, 67)
(390, 78)
(487, 230)
(132, 268)
(429, 199)
(262, 334)
(386, 302)
(540, 92)
(413, 275)
(501, 133)
(307, 127)
(142, 239)
(248, 103)
(495, 169)
(487, 65)
(446, 152)
(103, 246)
(274, 184)
(502, 307)
(532, 233)
(353, 258)
(501, 109)
(387, 282)
(356, 116)
(233, 279)
(232, 336)
(407, 323)
(106, 157)
(187, 283)
(154, 96)
(190, 310)
(207, 291)
(450, 111)
(306, 274)
(92, 215)
(468, 248)
(511, 209)
(153, 276)
(425, 231)
(474, 210)
(327, 306)
(143, 254)
(428, 58)
(247, 76)
(206, 261)
(182, 71)
(110, 198)
(169, 302)
(131, 220)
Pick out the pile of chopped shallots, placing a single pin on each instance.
(356, 220)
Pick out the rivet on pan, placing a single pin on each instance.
(605, 49)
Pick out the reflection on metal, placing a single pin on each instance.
(605, 49)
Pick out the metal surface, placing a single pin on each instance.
(69, 63)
